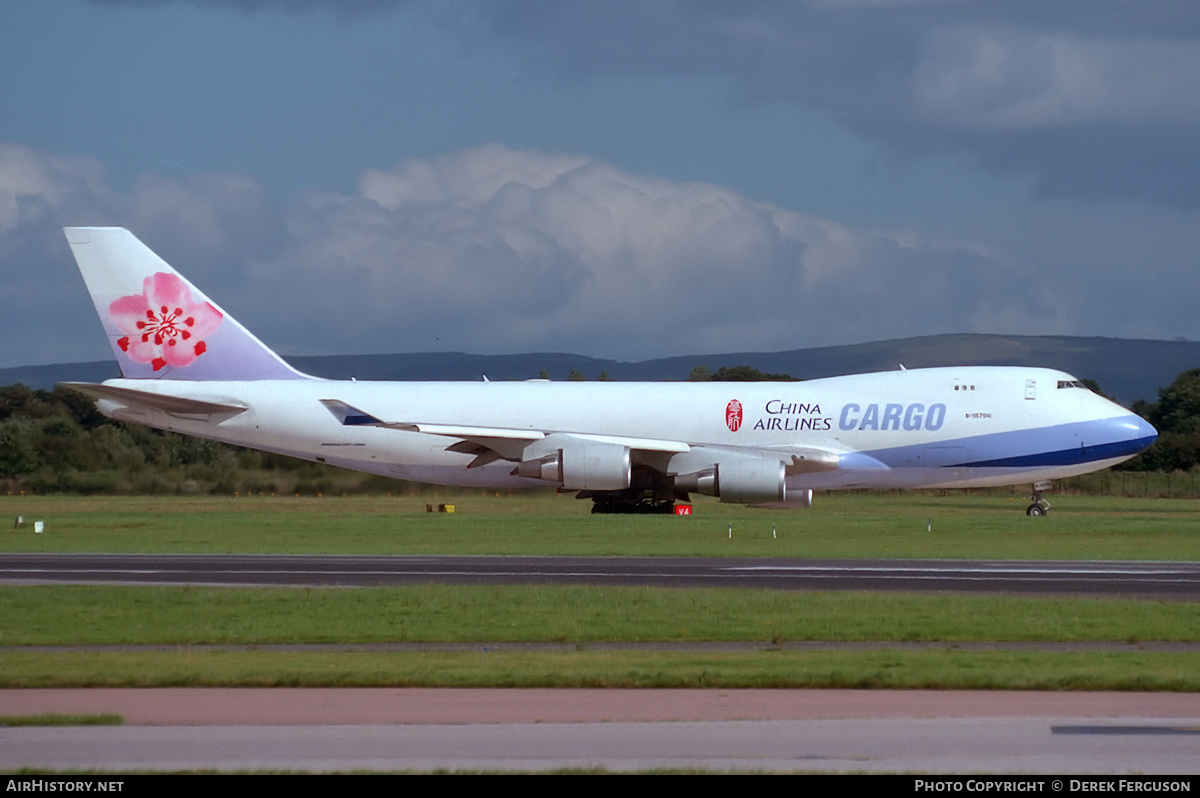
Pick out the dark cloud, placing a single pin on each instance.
(1059, 91)
(349, 9)
(1089, 98)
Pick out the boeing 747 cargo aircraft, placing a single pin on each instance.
(189, 367)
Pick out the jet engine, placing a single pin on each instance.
(738, 480)
(577, 464)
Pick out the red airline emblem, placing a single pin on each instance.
(733, 415)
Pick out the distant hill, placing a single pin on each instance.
(1126, 369)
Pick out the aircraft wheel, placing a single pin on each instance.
(1035, 510)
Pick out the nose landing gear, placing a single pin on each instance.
(1040, 506)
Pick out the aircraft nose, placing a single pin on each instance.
(1131, 434)
(1143, 432)
(1118, 436)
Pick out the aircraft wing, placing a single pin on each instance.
(134, 399)
(493, 443)
(796, 459)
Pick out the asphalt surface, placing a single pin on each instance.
(1176, 580)
(343, 729)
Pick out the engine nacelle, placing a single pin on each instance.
(739, 480)
(577, 464)
(795, 498)
(751, 480)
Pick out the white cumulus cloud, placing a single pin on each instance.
(493, 249)
(496, 250)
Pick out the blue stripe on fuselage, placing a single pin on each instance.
(1065, 444)
(1081, 454)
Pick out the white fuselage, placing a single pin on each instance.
(943, 427)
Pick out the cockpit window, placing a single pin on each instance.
(1071, 384)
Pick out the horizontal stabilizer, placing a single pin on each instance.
(147, 400)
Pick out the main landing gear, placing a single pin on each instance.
(1040, 506)
(648, 494)
(632, 505)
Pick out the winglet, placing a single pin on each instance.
(350, 416)
(161, 326)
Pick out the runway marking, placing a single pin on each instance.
(956, 569)
(1124, 730)
(816, 573)
(1180, 580)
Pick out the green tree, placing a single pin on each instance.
(18, 451)
(737, 374)
(1176, 416)
(1178, 406)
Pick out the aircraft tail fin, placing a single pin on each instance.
(161, 326)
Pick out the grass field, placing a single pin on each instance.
(956, 525)
(947, 668)
(176, 620)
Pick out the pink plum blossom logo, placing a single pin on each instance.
(165, 325)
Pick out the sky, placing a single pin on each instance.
(618, 179)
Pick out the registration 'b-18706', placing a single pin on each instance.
(189, 367)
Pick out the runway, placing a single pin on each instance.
(421, 730)
(913, 731)
(1176, 580)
